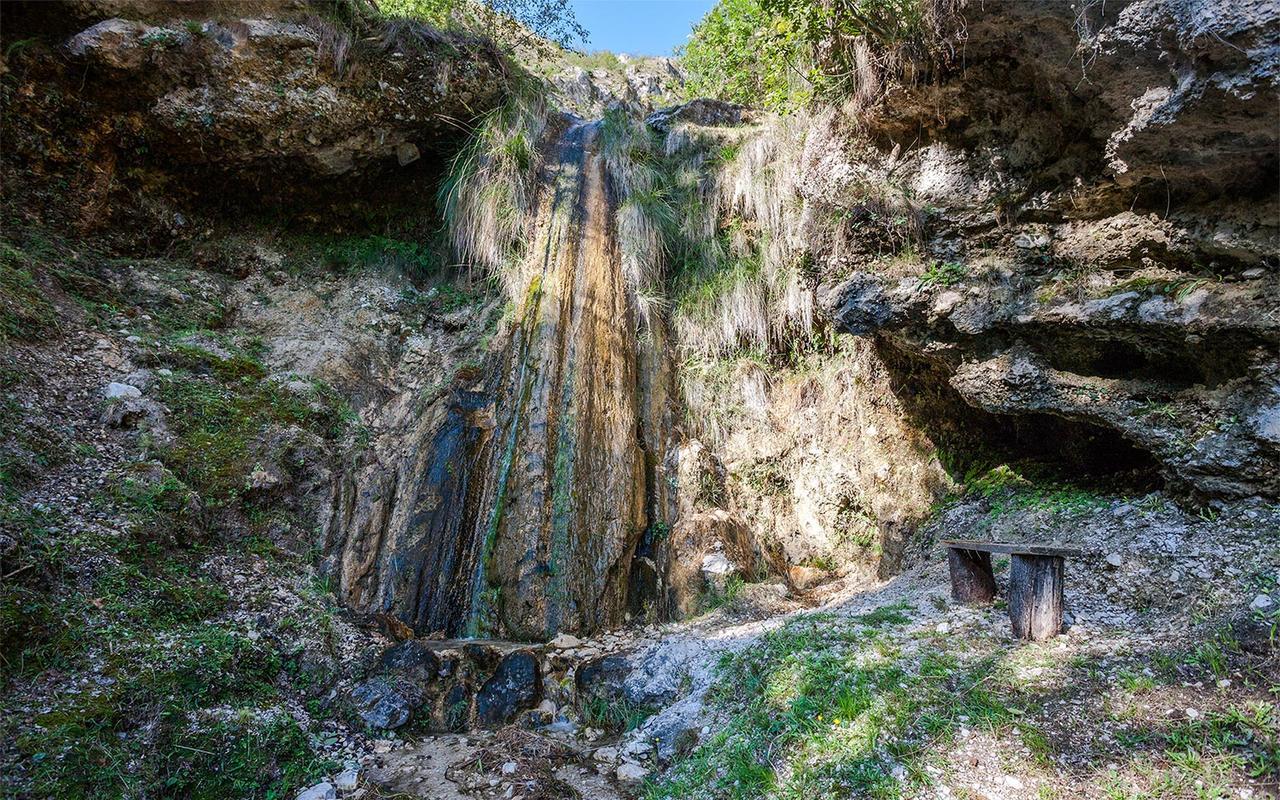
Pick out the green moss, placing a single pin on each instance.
(25, 310)
(218, 423)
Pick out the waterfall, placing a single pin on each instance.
(523, 511)
(566, 499)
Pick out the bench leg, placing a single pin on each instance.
(972, 580)
(1035, 596)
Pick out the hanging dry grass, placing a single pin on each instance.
(486, 196)
(741, 284)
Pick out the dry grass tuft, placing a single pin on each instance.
(486, 196)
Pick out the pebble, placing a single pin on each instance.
(348, 779)
(564, 641)
(606, 754)
(1261, 603)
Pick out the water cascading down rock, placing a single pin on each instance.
(522, 511)
(566, 492)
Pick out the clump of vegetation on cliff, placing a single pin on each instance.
(782, 54)
(486, 195)
(177, 690)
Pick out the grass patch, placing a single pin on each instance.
(143, 733)
(25, 311)
(614, 715)
(713, 598)
(829, 698)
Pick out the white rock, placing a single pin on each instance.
(120, 391)
(1192, 713)
(1012, 782)
(1114, 560)
(564, 641)
(606, 754)
(1261, 603)
(347, 780)
(321, 791)
(509, 768)
(631, 774)
(717, 564)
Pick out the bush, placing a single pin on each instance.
(780, 54)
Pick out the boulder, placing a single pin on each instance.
(120, 391)
(380, 704)
(514, 687)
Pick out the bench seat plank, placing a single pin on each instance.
(1008, 548)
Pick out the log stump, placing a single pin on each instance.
(972, 580)
(1035, 596)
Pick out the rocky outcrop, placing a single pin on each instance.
(1074, 235)
(1159, 97)
(1188, 376)
(714, 113)
(643, 83)
(269, 94)
(180, 107)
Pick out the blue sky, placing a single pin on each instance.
(639, 27)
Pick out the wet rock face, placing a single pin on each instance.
(266, 94)
(563, 502)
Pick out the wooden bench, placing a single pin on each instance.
(1035, 582)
